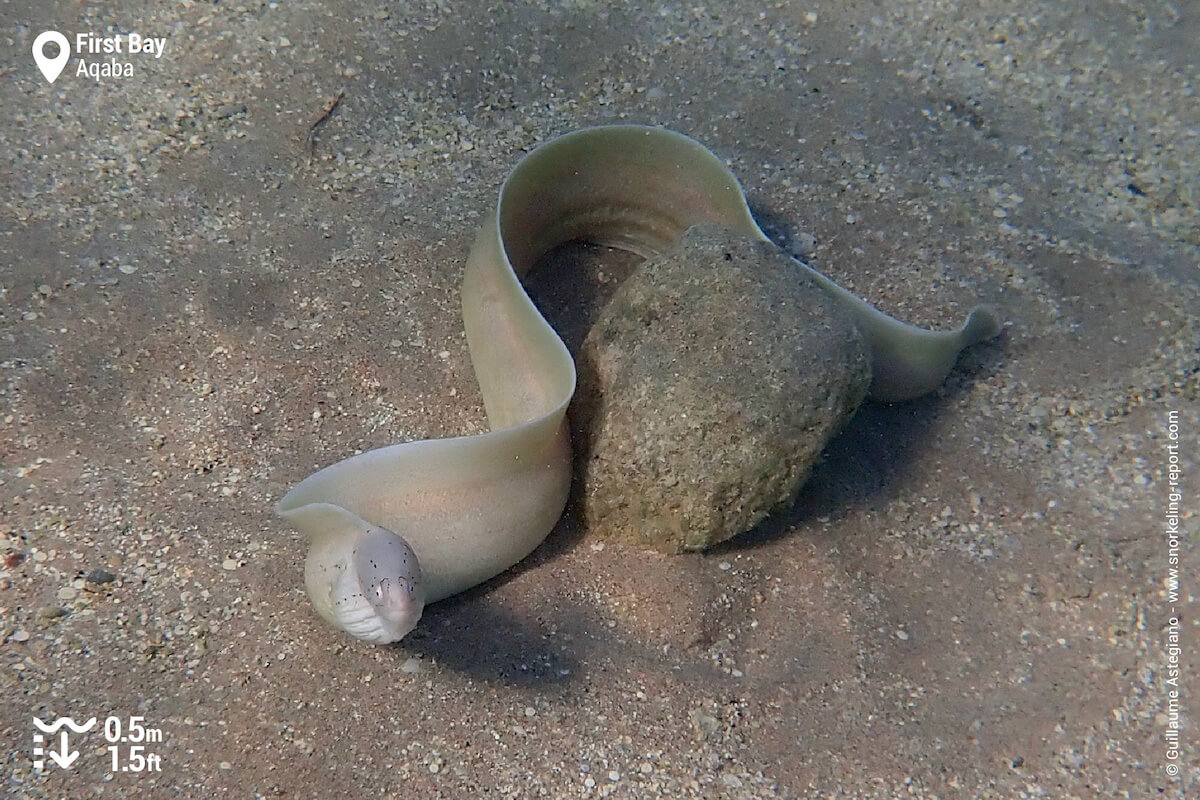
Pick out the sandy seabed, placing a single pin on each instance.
(240, 262)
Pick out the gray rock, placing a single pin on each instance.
(51, 613)
(100, 576)
(708, 387)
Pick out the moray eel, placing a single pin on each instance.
(397, 527)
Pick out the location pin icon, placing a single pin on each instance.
(51, 67)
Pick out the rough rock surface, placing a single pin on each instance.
(708, 388)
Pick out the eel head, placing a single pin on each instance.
(362, 578)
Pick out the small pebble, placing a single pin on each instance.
(411, 667)
(48, 613)
(230, 110)
(21, 635)
(100, 576)
(805, 244)
(230, 564)
(68, 593)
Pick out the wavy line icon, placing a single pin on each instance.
(62, 722)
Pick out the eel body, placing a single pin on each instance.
(397, 527)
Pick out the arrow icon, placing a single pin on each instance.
(67, 756)
(64, 756)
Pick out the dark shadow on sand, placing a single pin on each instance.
(470, 634)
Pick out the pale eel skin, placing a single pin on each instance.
(397, 527)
